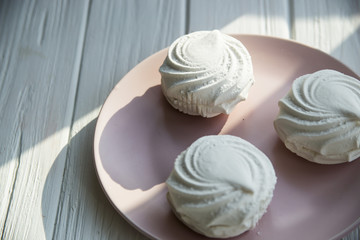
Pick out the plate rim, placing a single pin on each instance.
(97, 132)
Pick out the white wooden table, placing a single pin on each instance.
(60, 59)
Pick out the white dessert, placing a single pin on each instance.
(221, 186)
(319, 118)
(206, 73)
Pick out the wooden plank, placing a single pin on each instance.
(120, 34)
(250, 17)
(40, 57)
(331, 26)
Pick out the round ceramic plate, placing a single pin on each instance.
(138, 136)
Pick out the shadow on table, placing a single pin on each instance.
(81, 197)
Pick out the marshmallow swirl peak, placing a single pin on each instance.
(206, 73)
(319, 118)
(221, 186)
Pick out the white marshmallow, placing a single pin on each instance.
(319, 118)
(221, 186)
(206, 73)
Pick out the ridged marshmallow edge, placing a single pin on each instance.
(221, 186)
(319, 119)
(206, 73)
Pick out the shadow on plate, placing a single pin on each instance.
(141, 140)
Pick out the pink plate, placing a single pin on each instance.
(138, 135)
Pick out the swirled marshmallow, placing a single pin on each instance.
(319, 118)
(206, 73)
(221, 186)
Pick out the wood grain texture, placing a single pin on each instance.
(130, 32)
(39, 68)
(331, 26)
(249, 17)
